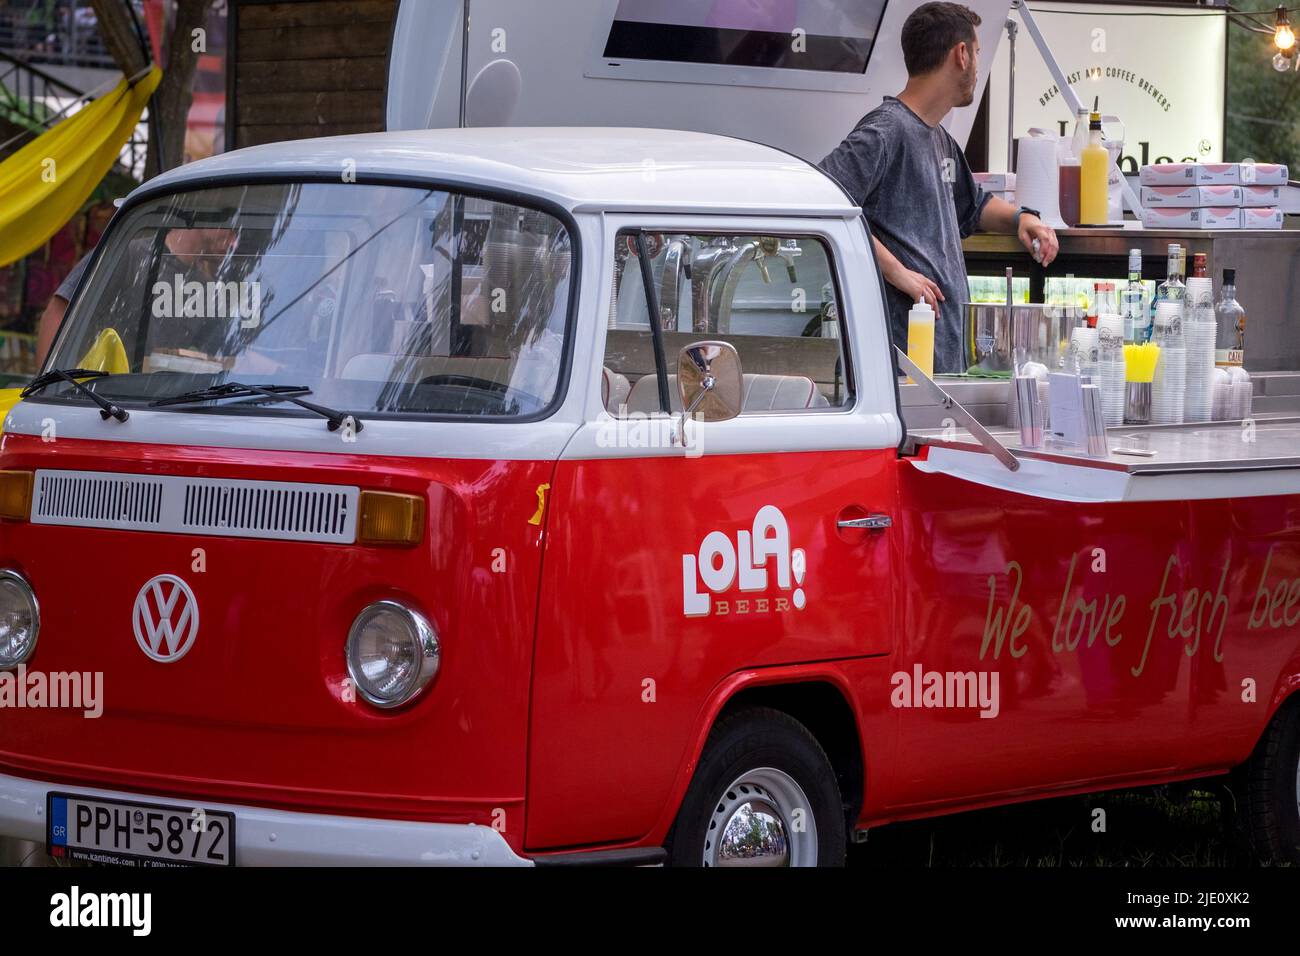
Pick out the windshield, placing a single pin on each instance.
(382, 300)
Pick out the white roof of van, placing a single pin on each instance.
(583, 169)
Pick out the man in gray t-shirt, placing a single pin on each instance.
(912, 182)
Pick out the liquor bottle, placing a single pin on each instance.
(1104, 299)
(1201, 304)
(1137, 318)
(1230, 342)
(1200, 333)
(1173, 287)
(1163, 287)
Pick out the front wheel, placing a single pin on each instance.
(764, 794)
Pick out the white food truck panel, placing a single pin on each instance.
(602, 63)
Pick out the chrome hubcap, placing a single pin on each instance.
(762, 819)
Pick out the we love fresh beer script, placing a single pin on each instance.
(1196, 615)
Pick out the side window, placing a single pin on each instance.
(772, 297)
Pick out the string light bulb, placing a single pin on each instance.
(1283, 35)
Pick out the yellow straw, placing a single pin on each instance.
(1140, 361)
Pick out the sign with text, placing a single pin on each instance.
(1161, 71)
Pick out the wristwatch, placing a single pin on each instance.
(1023, 209)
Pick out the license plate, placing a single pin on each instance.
(137, 834)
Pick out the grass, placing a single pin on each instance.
(1158, 826)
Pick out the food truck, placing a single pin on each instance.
(548, 496)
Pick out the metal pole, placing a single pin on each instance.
(464, 61)
(1067, 92)
(1071, 100)
(1011, 93)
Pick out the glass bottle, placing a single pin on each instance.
(1133, 305)
(1230, 317)
(1173, 287)
(1199, 333)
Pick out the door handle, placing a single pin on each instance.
(870, 522)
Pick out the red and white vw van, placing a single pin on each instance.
(375, 513)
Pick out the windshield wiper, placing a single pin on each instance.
(107, 409)
(279, 393)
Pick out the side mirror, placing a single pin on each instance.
(710, 382)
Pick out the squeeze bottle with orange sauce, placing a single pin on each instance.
(920, 336)
(1094, 176)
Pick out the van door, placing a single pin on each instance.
(667, 570)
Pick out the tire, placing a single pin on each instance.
(1267, 790)
(759, 767)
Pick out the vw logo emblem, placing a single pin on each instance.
(165, 618)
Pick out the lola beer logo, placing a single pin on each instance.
(745, 564)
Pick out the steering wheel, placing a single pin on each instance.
(451, 379)
(481, 390)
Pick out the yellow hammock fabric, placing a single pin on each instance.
(106, 354)
(44, 184)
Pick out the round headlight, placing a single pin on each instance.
(392, 653)
(20, 619)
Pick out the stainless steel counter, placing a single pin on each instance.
(1271, 441)
(1274, 442)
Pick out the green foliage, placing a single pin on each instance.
(1263, 105)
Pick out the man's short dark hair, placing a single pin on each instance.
(931, 30)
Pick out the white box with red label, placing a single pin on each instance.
(1159, 197)
(996, 182)
(1190, 174)
(1264, 174)
(1268, 217)
(1261, 195)
(1183, 217)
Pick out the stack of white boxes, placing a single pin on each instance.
(1212, 195)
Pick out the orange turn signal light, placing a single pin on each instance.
(390, 518)
(16, 494)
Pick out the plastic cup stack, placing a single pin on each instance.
(1110, 368)
(1234, 394)
(1084, 343)
(1169, 390)
(1199, 333)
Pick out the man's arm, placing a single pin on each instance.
(912, 284)
(999, 215)
(48, 325)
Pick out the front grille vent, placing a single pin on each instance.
(215, 506)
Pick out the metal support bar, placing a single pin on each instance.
(1067, 92)
(998, 450)
(464, 62)
(1012, 30)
